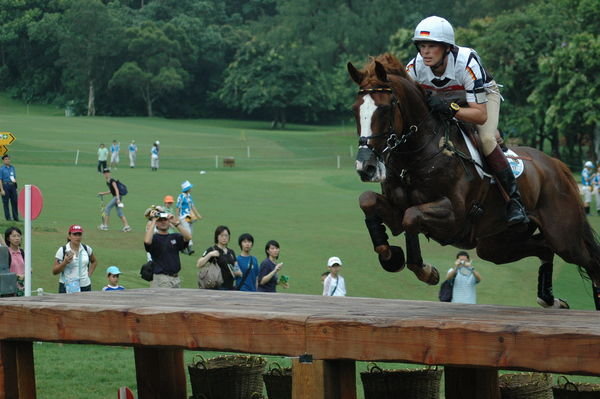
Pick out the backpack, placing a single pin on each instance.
(85, 248)
(122, 188)
(445, 294)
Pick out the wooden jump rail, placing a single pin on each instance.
(471, 341)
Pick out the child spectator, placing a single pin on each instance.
(16, 257)
(334, 284)
(112, 274)
(248, 264)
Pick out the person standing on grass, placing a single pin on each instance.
(186, 211)
(102, 157)
(112, 274)
(116, 201)
(267, 276)
(164, 248)
(334, 284)
(223, 256)
(465, 279)
(115, 148)
(154, 159)
(248, 264)
(75, 262)
(16, 257)
(8, 188)
(132, 153)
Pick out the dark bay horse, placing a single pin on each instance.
(430, 186)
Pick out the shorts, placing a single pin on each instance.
(112, 204)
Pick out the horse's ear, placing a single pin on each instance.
(355, 74)
(380, 72)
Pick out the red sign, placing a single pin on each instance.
(37, 202)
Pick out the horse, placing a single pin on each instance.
(430, 185)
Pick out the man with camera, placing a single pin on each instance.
(164, 247)
(464, 277)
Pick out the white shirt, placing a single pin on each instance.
(78, 268)
(464, 73)
(333, 286)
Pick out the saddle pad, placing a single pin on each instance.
(517, 165)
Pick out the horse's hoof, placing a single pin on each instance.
(558, 303)
(396, 262)
(426, 273)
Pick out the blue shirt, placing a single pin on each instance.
(115, 148)
(132, 148)
(266, 267)
(184, 204)
(111, 288)
(244, 262)
(6, 171)
(586, 177)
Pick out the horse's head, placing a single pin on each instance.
(384, 112)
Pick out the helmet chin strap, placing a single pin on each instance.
(441, 61)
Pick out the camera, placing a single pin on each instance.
(462, 262)
(162, 215)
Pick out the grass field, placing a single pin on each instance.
(286, 185)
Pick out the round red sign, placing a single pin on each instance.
(37, 202)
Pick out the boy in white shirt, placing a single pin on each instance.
(334, 284)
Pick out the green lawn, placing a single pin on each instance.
(285, 186)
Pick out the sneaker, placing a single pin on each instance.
(126, 229)
(103, 227)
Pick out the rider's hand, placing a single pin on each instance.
(440, 107)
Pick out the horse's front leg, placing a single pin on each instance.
(378, 210)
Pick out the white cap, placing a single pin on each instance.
(334, 260)
(186, 186)
(589, 164)
(434, 29)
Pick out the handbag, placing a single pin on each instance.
(446, 288)
(147, 271)
(210, 276)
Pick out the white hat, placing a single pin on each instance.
(434, 29)
(334, 260)
(157, 142)
(186, 186)
(589, 164)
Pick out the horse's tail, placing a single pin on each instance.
(591, 239)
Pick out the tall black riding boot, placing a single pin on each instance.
(515, 212)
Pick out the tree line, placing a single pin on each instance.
(285, 60)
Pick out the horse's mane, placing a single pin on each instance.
(391, 64)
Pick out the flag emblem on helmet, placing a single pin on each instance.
(424, 33)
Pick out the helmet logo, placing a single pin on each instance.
(424, 33)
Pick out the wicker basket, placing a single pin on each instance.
(278, 382)
(575, 390)
(525, 386)
(227, 377)
(401, 384)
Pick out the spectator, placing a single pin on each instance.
(132, 153)
(587, 187)
(186, 211)
(154, 160)
(324, 276)
(248, 264)
(223, 256)
(334, 284)
(164, 248)
(102, 158)
(75, 262)
(113, 188)
(8, 188)
(596, 189)
(267, 276)
(16, 257)
(112, 274)
(465, 278)
(115, 148)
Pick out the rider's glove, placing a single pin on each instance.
(440, 107)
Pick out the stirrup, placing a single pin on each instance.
(558, 304)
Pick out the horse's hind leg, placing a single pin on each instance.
(545, 296)
(414, 261)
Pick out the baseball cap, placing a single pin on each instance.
(168, 199)
(334, 260)
(113, 270)
(75, 228)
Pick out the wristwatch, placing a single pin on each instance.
(454, 107)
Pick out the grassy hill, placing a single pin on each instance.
(286, 185)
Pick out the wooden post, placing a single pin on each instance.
(17, 373)
(471, 383)
(324, 379)
(160, 373)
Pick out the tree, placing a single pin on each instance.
(154, 68)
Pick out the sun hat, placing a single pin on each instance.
(334, 260)
(186, 186)
(113, 270)
(75, 228)
(168, 199)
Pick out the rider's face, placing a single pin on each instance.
(431, 52)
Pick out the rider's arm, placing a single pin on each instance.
(474, 113)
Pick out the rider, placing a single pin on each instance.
(454, 74)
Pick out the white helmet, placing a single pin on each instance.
(588, 164)
(434, 29)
